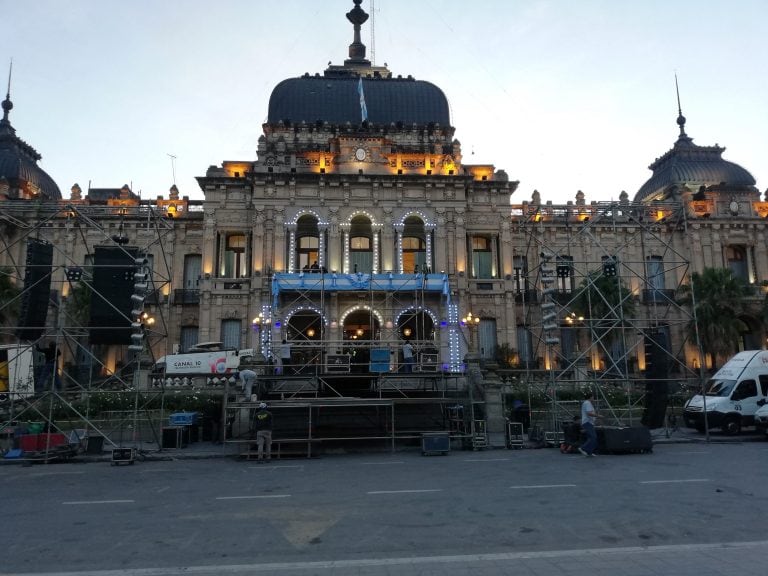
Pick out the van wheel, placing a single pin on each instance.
(732, 425)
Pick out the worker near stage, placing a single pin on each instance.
(285, 358)
(248, 377)
(262, 425)
(588, 418)
(408, 356)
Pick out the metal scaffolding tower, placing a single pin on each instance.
(600, 304)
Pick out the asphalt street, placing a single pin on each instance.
(684, 509)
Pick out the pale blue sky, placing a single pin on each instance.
(562, 95)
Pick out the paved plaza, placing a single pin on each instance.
(687, 508)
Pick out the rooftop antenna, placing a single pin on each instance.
(373, 32)
(173, 166)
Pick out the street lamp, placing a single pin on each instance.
(257, 323)
(472, 322)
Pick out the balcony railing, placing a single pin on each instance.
(658, 295)
(181, 296)
(527, 296)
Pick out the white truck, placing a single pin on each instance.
(205, 359)
(17, 371)
(733, 395)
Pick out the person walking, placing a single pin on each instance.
(262, 424)
(408, 356)
(588, 418)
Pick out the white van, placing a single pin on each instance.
(733, 395)
(761, 417)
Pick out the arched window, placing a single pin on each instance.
(307, 242)
(361, 245)
(414, 245)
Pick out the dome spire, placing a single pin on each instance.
(357, 16)
(7, 104)
(680, 117)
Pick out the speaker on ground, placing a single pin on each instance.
(657, 366)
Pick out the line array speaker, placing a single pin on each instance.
(37, 290)
(657, 366)
(113, 268)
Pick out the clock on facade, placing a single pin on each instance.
(734, 207)
(360, 154)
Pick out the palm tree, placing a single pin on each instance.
(718, 296)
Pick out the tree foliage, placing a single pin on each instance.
(603, 300)
(717, 298)
(79, 305)
(10, 303)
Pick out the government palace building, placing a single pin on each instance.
(356, 226)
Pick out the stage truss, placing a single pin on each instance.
(86, 368)
(600, 285)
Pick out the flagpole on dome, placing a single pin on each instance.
(363, 107)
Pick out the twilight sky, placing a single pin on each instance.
(564, 95)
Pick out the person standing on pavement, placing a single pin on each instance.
(262, 424)
(588, 418)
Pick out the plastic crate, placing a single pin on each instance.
(182, 418)
(435, 443)
(123, 456)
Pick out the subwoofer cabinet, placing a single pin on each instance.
(631, 440)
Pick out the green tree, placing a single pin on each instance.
(79, 305)
(10, 302)
(719, 300)
(605, 303)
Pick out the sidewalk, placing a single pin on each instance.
(148, 452)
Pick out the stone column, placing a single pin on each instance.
(398, 264)
(494, 408)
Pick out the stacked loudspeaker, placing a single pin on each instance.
(113, 269)
(37, 290)
(656, 378)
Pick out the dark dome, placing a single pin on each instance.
(694, 166)
(18, 164)
(336, 101)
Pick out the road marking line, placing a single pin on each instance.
(674, 481)
(404, 491)
(262, 467)
(543, 486)
(333, 566)
(487, 459)
(253, 497)
(381, 463)
(39, 474)
(77, 502)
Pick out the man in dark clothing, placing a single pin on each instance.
(262, 424)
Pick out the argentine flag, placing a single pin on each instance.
(363, 109)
